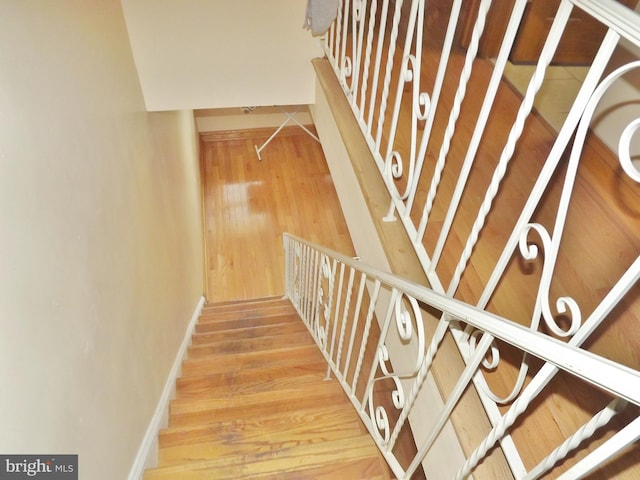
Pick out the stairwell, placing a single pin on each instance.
(252, 402)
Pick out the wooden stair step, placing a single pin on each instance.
(370, 468)
(274, 421)
(264, 344)
(311, 386)
(293, 355)
(266, 435)
(232, 324)
(285, 460)
(258, 378)
(250, 332)
(267, 311)
(251, 388)
(281, 405)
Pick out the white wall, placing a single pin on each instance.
(100, 236)
(221, 53)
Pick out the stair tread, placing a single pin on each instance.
(243, 380)
(248, 332)
(250, 426)
(289, 459)
(271, 342)
(263, 435)
(368, 468)
(293, 355)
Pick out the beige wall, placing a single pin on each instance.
(221, 53)
(100, 236)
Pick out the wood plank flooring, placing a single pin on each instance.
(249, 204)
(252, 403)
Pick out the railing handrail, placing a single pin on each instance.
(439, 149)
(315, 283)
(618, 379)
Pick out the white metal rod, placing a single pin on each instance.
(367, 60)
(387, 76)
(365, 335)
(479, 129)
(550, 165)
(336, 313)
(461, 385)
(547, 372)
(602, 418)
(620, 441)
(615, 16)
(354, 323)
(618, 379)
(435, 98)
(454, 113)
(549, 48)
(290, 117)
(345, 314)
(395, 115)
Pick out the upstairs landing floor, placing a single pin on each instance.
(249, 203)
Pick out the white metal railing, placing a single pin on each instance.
(343, 302)
(412, 90)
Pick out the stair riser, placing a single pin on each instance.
(245, 333)
(245, 304)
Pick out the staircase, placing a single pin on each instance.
(252, 403)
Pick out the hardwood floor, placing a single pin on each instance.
(249, 204)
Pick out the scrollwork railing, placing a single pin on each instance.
(427, 106)
(390, 354)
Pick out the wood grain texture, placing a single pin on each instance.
(252, 416)
(249, 204)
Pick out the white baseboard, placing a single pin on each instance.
(147, 453)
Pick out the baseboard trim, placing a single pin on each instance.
(146, 453)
